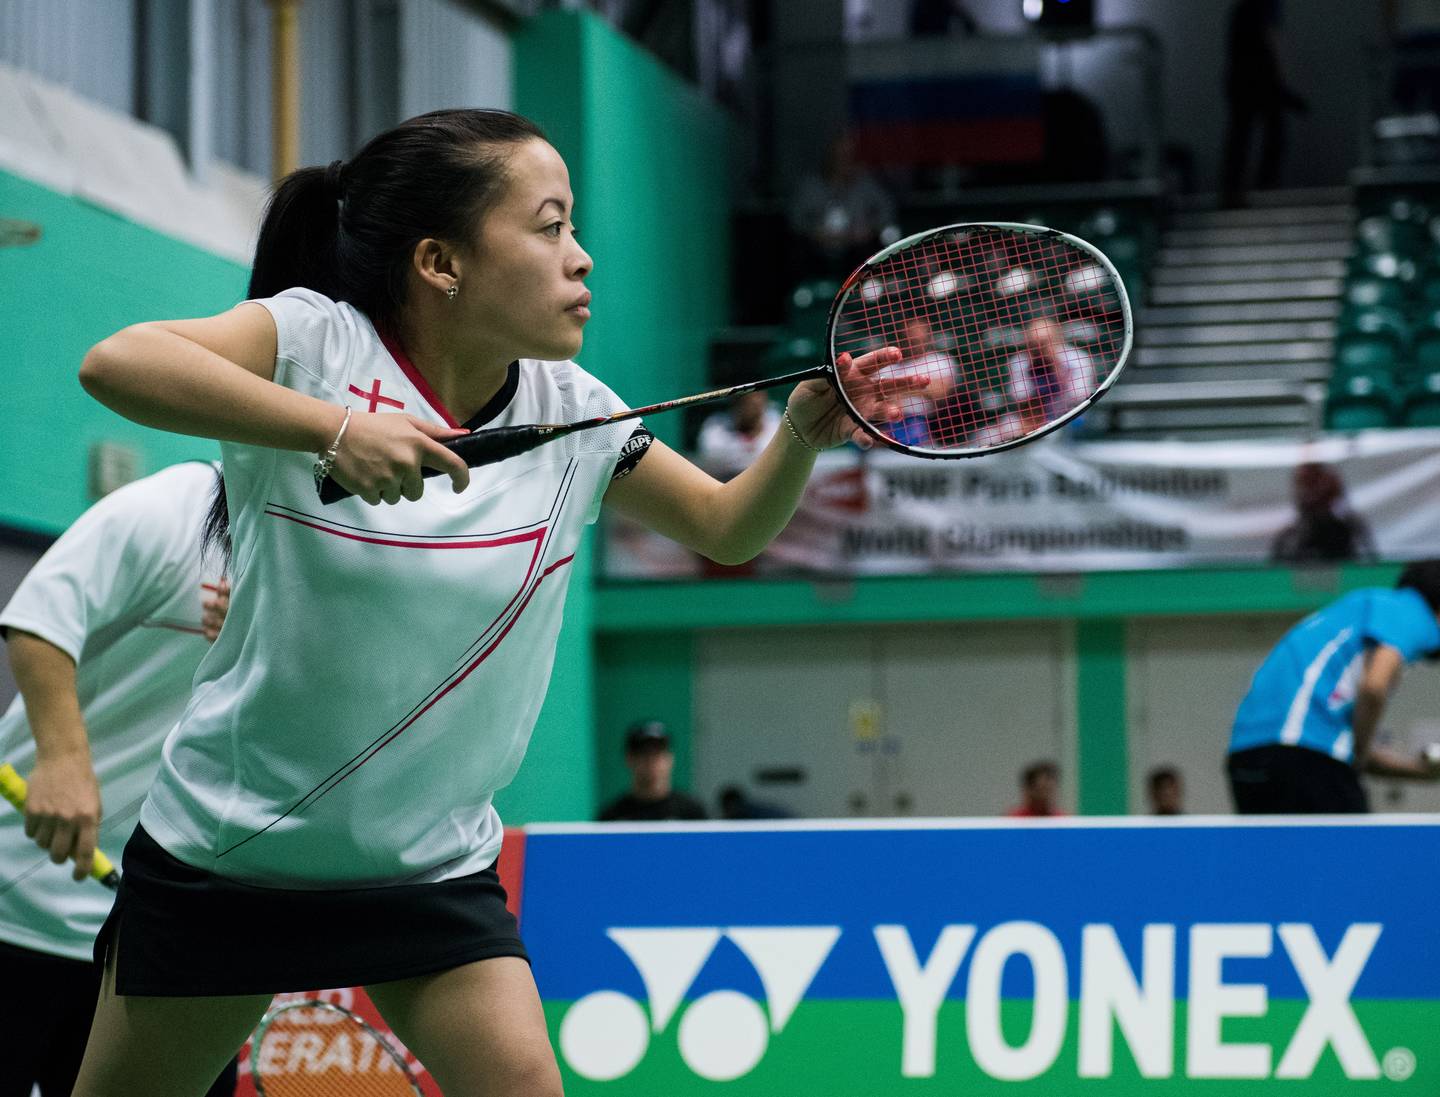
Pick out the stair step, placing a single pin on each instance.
(1219, 423)
(1263, 215)
(1171, 274)
(1279, 332)
(1132, 393)
(1258, 355)
(1257, 253)
(1306, 196)
(1246, 291)
(1318, 309)
(1276, 234)
(1227, 374)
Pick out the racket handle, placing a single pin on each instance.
(480, 447)
(14, 788)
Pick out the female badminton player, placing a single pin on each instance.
(322, 816)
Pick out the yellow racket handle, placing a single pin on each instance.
(13, 788)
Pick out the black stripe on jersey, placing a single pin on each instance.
(506, 618)
(499, 402)
(394, 533)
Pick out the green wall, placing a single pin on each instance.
(649, 160)
(90, 274)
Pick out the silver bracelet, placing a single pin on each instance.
(326, 461)
(796, 432)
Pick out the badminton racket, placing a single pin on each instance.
(1007, 332)
(14, 788)
(312, 1048)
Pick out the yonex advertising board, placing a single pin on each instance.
(1112, 957)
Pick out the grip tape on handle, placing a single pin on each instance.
(481, 447)
(14, 789)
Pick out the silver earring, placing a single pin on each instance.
(452, 291)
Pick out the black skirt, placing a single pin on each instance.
(184, 932)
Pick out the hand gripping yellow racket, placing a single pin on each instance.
(13, 788)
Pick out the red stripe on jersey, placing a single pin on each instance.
(533, 535)
(417, 379)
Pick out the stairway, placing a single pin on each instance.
(1237, 336)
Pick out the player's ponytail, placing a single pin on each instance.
(297, 248)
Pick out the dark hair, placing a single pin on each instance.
(1038, 769)
(1423, 577)
(1161, 774)
(349, 230)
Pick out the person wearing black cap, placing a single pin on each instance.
(651, 798)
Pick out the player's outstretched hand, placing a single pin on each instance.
(823, 421)
(383, 458)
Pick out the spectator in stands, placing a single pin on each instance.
(730, 440)
(939, 18)
(1257, 94)
(1039, 792)
(926, 406)
(841, 217)
(1167, 791)
(1307, 728)
(1047, 378)
(735, 804)
(651, 798)
(1325, 528)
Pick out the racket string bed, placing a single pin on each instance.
(1009, 331)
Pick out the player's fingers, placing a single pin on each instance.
(85, 850)
(391, 492)
(868, 363)
(448, 462)
(62, 842)
(414, 486)
(437, 430)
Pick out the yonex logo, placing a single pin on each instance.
(721, 1035)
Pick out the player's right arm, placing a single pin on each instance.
(62, 808)
(214, 378)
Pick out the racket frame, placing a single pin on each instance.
(857, 279)
(273, 1014)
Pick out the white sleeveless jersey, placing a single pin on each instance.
(381, 667)
(120, 593)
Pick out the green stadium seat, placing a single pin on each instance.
(1361, 401)
(1421, 404)
(792, 354)
(1386, 265)
(1360, 355)
(1370, 292)
(1381, 322)
(1429, 291)
(810, 308)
